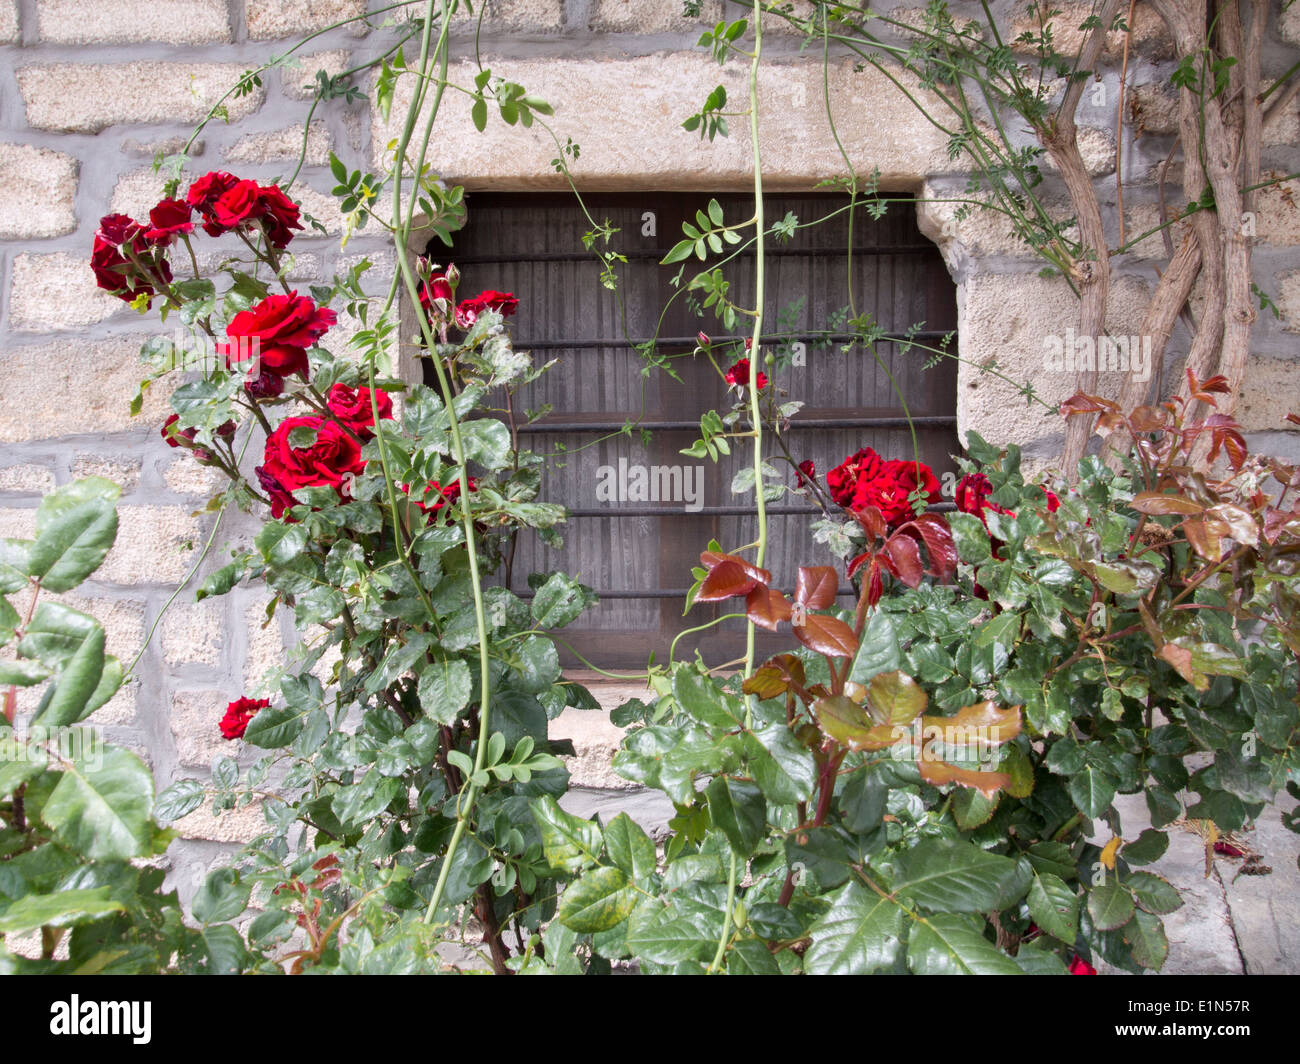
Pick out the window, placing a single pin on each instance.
(641, 512)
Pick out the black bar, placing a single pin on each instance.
(692, 341)
(926, 421)
(659, 253)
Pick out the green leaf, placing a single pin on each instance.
(1147, 848)
(56, 634)
(739, 811)
(1052, 858)
(878, 650)
(67, 908)
(783, 767)
(226, 954)
(668, 941)
(102, 808)
(487, 441)
(75, 529)
(630, 848)
(948, 945)
(569, 842)
(1092, 790)
(444, 689)
(274, 727)
(861, 933)
(951, 876)
(1054, 907)
(749, 956)
(77, 683)
(178, 800)
(1145, 935)
(20, 673)
(15, 559)
(280, 543)
(1037, 960)
(703, 700)
(1110, 906)
(1154, 893)
(971, 538)
(222, 897)
(559, 601)
(601, 899)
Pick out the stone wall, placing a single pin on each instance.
(90, 92)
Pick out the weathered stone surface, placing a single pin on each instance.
(652, 16)
(119, 21)
(121, 470)
(88, 97)
(57, 291)
(195, 718)
(283, 145)
(1006, 319)
(40, 189)
(1151, 109)
(1096, 147)
(1149, 35)
(296, 18)
(1288, 300)
(595, 740)
(193, 633)
(1266, 909)
(626, 114)
(266, 647)
(982, 232)
(75, 386)
(299, 81)
(186, 476)
(155, 545)
(8, 21)
(240, 825)
(517, 16)
(29, 479)
(137, 191)
(1278, 210)
(1269, 394)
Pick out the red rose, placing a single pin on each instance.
(279, 215)
(238, 714)
(239, 203)
(278, 331)
(807, 473)
(436, 287)
(281, 499)
(865, 479)
(468, 312)
(354, 410)
(267, 386)
(1053, 501)
(123, 262)
(1078, 966)
(332, 459)
(444, 497)
(203, 195)
(170, 218)
(738, 374)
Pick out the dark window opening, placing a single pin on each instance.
(638, 552)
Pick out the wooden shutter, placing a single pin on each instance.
(638, 554)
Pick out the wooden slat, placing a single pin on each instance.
(563, 300)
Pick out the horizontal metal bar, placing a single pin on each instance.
(714, 511)
(658, 254)
(662, 593)
(926, 421)
(691, 341)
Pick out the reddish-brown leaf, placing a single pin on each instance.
(816, 587)
(939, 545)
(937, 773)
(858, 562)
(827, 635)
(725, 580)
(768, 607)
(979, 725)
(767, 682)
(1148, 419)
(1081, 403)
(1159, 504)
(711, 558)
(903, 558)
(873, 521)
(1205, 538)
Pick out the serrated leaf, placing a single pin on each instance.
(67, 908)
(1110, 906)
(947, 945)
(859, 934)
(568, 842)
(600, 900)
(739, 811)
(1145, 935)
(1054, 907)
(952, 876)
(75, 529)
(630, 848)
(102, 809)
(1154, 893)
